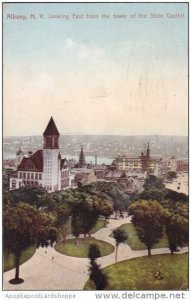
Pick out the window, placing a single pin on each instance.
(55, 142)
(13, 184)
(24, 175)
(40, 176)
(36, 175)
(20, 174)
(32, 176)
(28, 175)
(20, 184)
(48, 142)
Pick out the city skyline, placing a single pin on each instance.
(96, 76)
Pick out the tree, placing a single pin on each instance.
(96, 275)
(63, 212)
(116, 191)
(171, 175)
(148, 218)
(105, 208)
(60, 204)
(176, 197)
(152, 194)
(76, 226)
(32, 195)
(153, 182)
(84, 214)
(94, 252)
(24, 226)
(120, 236)
(177, 227)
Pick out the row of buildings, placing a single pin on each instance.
(47, 168)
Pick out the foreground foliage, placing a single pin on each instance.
(98, 278)
(24, 226)
(120, 236)
(9, 261)
(148, 219)
(141, 273)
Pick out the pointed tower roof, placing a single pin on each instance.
(81, 157)
(51, 128)
(148, 150)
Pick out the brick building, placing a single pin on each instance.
(45, 167)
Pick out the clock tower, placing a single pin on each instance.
(51, 158)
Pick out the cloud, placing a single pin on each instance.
(85, 50)
(70, 43)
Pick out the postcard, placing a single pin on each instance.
(95, 150)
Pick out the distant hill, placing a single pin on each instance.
(104, 145)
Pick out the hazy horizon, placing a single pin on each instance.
(89, 134)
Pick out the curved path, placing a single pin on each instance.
(50, 270)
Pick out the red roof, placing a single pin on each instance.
(51, 128)
(14, 174)
(35, 162)
(37, 158)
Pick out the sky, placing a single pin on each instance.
(95, 75)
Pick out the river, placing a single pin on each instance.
(88, 159)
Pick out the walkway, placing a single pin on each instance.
(50, 270)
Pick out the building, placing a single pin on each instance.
(45, 167)
(82, 158)
(182, 166)
(142, 163)
(83, 176)
(19, 156)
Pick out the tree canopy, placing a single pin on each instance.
(148, 219)
(120, 236)
(177, 226)
(24, 226)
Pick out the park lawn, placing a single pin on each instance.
(134, 242)
(99, 225)
(139, 273)
(8, 260)
(71, 249)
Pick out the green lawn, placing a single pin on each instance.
(9, 259)
(99, 225)
(139, 273)
(71, 249)
(136, 244)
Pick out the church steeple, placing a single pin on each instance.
(148, 151)
(81, 158)
(51, 136)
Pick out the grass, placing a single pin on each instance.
(8, 260)
(99, 225)
(139, 273)
(71, 249)
(134, 242)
